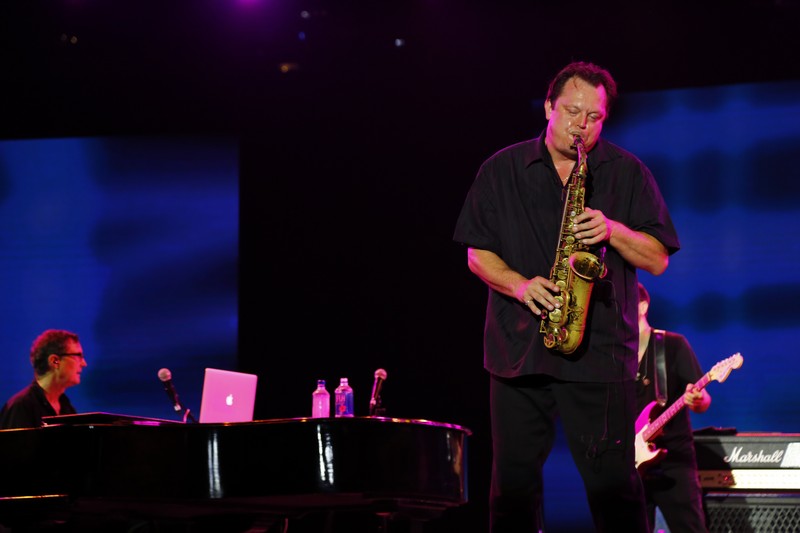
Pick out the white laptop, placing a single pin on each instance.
(228, 396)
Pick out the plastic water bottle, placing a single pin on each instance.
(320, 401)
(344, 399)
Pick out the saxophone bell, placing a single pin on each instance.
(587, 266)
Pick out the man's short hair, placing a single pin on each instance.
(588, 72)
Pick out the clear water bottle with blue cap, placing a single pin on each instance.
(320, 401)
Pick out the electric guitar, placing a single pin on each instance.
(647, 453)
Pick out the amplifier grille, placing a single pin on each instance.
(753, 513)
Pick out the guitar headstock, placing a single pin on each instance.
(722, 369)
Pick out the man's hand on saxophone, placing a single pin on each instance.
(592, 227)
(538, 294)
(639, 249)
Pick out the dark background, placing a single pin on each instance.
(355, 156)
(89, 67)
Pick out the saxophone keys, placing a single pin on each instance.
(549, 341)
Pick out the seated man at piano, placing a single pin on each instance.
(57, 360)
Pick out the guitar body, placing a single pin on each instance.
(647, 454)
(650, 424)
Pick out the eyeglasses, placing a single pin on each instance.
(78, 354)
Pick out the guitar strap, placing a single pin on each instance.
(660, 367)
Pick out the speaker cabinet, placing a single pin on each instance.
(751, 512)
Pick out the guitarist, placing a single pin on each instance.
(672, 483)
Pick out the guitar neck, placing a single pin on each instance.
(655, 426)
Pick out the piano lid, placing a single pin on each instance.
(104, 419)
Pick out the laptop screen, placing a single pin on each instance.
(227, 396)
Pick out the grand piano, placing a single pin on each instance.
(98, 469)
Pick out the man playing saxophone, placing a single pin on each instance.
(515, 222)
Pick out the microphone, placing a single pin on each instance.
(375, 399)
(166, 378)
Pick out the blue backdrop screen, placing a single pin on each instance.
(133, 244)
(725, 159)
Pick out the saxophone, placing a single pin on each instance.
(574, 270)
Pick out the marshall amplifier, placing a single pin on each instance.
(748, 461)
(752, 512)
(751, 481)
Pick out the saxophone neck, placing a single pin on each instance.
(580, 164)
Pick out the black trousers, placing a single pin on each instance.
(598, 421)
(673, 487)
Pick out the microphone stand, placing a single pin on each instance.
(375, 408)
(188, 414)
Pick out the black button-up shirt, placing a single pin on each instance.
(514, 209)
(27, 407)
